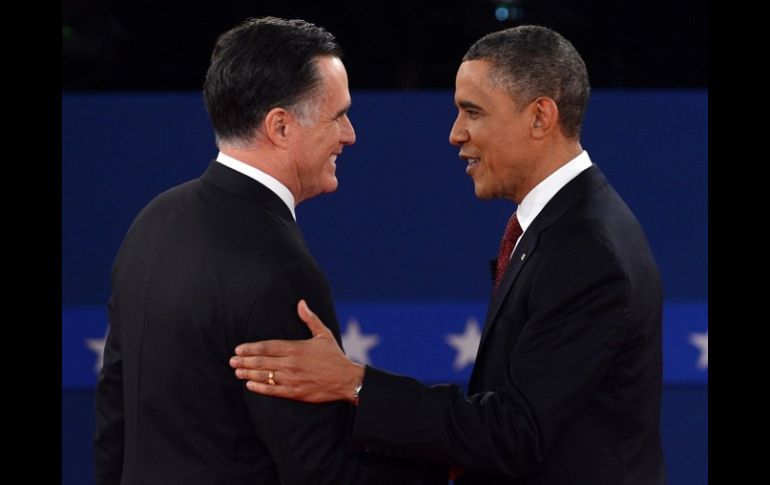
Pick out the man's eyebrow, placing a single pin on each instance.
(468, 105)
(343, 111)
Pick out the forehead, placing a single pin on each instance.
(474, 84)
(334, 78)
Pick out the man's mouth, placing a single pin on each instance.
(472, 162)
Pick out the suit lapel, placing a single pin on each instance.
(586, 182)
(521, 255)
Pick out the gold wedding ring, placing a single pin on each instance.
(270, 378)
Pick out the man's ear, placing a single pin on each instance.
(545, 116)
(277, 126)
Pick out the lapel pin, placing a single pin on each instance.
(523, 255)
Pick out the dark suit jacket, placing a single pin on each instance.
(567, 381)
(205, 266)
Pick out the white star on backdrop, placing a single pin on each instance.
(356, 344)
(96, 345)
(466, 344)
(701, 341)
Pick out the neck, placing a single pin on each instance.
(272, 162)
(551, 159)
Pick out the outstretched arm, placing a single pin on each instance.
(570, 336)
(314, 370)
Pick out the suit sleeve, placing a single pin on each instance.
(108, 440)
(308, 442)
(575, 321)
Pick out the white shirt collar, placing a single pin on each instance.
(543, 192)
(267, 180)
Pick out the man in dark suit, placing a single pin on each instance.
(566, 385)
(219, 260)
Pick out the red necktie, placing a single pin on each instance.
(512, 232)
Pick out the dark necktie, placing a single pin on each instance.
(512, 232)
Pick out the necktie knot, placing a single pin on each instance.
(512, 233)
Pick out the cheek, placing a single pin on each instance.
(491, 155)
(499, 149)
(327, 141)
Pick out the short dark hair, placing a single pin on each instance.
(261, 64)
(532, 61)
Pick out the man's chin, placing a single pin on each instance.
(331, 185)
(481, 193)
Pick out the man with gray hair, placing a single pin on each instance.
(566, 386)
(221, 259)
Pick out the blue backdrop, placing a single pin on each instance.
(405, 212)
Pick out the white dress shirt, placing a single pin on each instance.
(543, 192)
(267, 180)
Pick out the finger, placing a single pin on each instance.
(261, 376)
(268, 390)
(312, 321)
(269, 348)
(257, 363)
